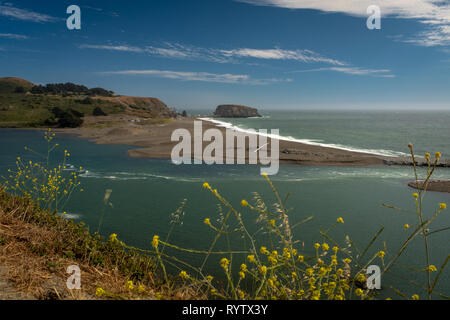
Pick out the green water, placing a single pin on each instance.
(146, 191)
(372, 131)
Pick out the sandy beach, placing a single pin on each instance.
(436, 185)
(154, 141)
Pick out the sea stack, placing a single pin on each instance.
(235, 111)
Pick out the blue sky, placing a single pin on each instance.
(271, 54)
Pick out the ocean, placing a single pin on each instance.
(146, 191)
(377, 132)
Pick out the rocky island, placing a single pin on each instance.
(235, 111)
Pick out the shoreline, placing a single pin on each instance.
(152, 137)
(154, 141)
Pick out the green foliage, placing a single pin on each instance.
(28, 110)
(98, 112)
(50, 187)
(10, 85)
(70, 88)
(37, 193)
(74, 240)
(19, 90)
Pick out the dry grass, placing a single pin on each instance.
(36, 247)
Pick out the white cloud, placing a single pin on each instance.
(383, 73)
(178, 51)
(9, 11)
(112, 48)
(434, 14)
(199, 76)
(306, 56)
(13, 36)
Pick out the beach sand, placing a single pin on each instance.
(154, 141)
(437, 185)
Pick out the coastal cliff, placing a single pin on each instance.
(153, 106)
(235, 111)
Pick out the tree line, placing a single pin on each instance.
(70, 88)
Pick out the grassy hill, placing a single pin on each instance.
(9, 84)
(24, 109)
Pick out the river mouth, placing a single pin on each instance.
(146, 191)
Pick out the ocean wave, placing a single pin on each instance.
(320, 143)
(126, 176)
(70, 216)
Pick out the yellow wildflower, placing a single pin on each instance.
(438, 155)
(184, 275)
(432, 268)
(361, 277)
(206, 185)
(340, 220)
(272, 260)
(325, 247)
(251, 258)
(113, 237)
(442, 206)
(406, 226)
(99, 292)
(263, 270)
(129, 285)
(155, 241)
(347, 260)
(359, 292)
(381, 254)
(415, 195)
(317, 245)
(244, 203)
(241, 275)
(224, 262)
(415, 297)
(207, 221)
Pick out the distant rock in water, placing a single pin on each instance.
(235, 111)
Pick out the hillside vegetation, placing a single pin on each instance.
(25, 105)
(10, 84)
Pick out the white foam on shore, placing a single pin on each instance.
(125, 176)
(378, 152)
